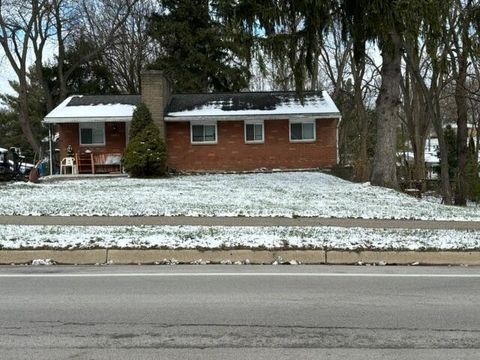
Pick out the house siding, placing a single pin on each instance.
(231, 153)
(115, 140)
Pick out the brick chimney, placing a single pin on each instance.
(156, 94)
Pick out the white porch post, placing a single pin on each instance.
(50, 145)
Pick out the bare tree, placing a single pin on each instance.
(462, 17)
(19, 24)
(335, 55)
(350, 81)
(431, 85)
(97, 22)
(416, 117)
(132, 50)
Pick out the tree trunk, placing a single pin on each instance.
(62, 81)
(23, 118)
(384, 172)
(419, 155)
(363, 167)
(442, 145)
(462, 130)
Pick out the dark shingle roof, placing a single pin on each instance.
(262, 101)
(249, 104)
(104, 100)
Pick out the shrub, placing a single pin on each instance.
(473, 180)
(146, 153)
(141, 118)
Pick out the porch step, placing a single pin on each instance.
(84, 163)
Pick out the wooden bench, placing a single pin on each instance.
(106, 163)
(412, 187)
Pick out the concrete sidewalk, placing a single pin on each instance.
(237, 221)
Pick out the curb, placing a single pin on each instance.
(155, 256)
(404, 257)
(68, 257)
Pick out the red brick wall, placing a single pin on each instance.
(115, 141)
(231, 152)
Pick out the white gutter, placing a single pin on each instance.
(74, 120)
(251, 117)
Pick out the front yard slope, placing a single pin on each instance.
(279, 194)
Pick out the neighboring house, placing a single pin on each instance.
(206, 132)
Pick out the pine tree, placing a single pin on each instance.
(473, 180)
(146, 153)
(199, 53)
(141, 118)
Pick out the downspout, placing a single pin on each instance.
(50, 148)
(337, 136)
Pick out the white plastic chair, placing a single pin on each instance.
(68, 162)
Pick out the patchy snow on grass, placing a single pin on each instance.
(286, 194)
(189, 237)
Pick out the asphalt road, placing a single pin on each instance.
(239, 312)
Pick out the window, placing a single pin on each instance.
(254, 132)
(302, 131)
(204, 134)
(92, 134)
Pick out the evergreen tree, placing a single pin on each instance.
(90, 78)
(146, 153)
(141, 118)
(10, 129)
(200, 53)
(289, 32)
(473, 180)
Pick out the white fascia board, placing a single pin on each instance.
(262, 117)
(65, 120)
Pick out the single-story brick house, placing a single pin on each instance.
(204, 132)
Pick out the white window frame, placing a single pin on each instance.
(90, 126)
(254, 122)
(313, 121)
(203, 142)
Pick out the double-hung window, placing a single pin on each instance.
(92, 133)
(302, 131)
(204, 133)
(254, 132)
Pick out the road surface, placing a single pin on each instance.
(239, 312)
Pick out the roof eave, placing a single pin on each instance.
(169, 118)
(75, 120)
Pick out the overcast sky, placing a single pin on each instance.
(7, 73)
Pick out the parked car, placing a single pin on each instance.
(13, 165)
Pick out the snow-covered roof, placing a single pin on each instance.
(250, 104)
(186, 107)
(92, 108)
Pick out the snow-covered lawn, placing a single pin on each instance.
(188, 237)
(286, 194)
